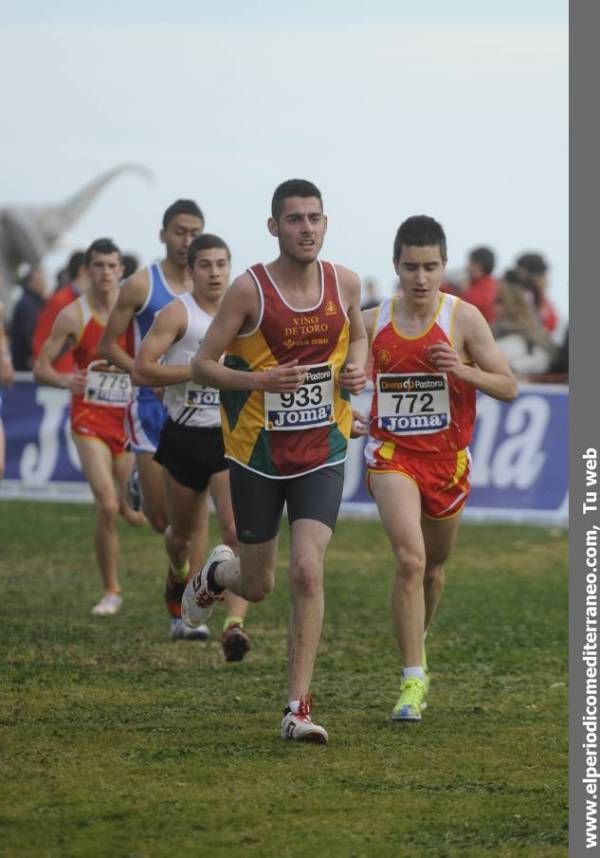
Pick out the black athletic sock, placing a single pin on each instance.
(210, 579)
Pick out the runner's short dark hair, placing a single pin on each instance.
(206, 241)
(293, 188)
(188, 207)
(101, 245)
(420, 231)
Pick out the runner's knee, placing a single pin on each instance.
(410, 565)
(306, 578)
(108, 508)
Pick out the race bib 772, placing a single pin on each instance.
(413, 403)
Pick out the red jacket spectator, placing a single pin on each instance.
(482, 293)
(482, 287)
(59, 299)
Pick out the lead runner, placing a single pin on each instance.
(295, 350)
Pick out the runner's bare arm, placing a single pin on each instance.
(491, 373)
(64, 331)
(360, 421)
(132, 295)
(238, 312)
(353, 376)
(168, 326)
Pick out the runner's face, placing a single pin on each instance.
(211, 273)
(300, 228)
(178, 236)
(105, 270)
(421, 272)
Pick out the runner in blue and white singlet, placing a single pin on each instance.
(140, 298)
(146, 413)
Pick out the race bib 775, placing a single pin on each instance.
(106, 384)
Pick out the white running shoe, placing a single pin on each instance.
(109, 604)
(299, 725)
(198, 601)
(179, 631)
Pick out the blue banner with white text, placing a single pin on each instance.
(519, 451)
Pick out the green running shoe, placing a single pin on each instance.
(411, 701)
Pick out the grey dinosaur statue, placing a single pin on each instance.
(28, 232)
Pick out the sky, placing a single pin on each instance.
(457, 110)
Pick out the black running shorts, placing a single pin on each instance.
(191, 454)
(258, 501)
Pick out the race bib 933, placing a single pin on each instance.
(308, 407)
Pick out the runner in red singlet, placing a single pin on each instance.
(431, 352)
(100, 392)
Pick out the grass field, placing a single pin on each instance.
(117, 742)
